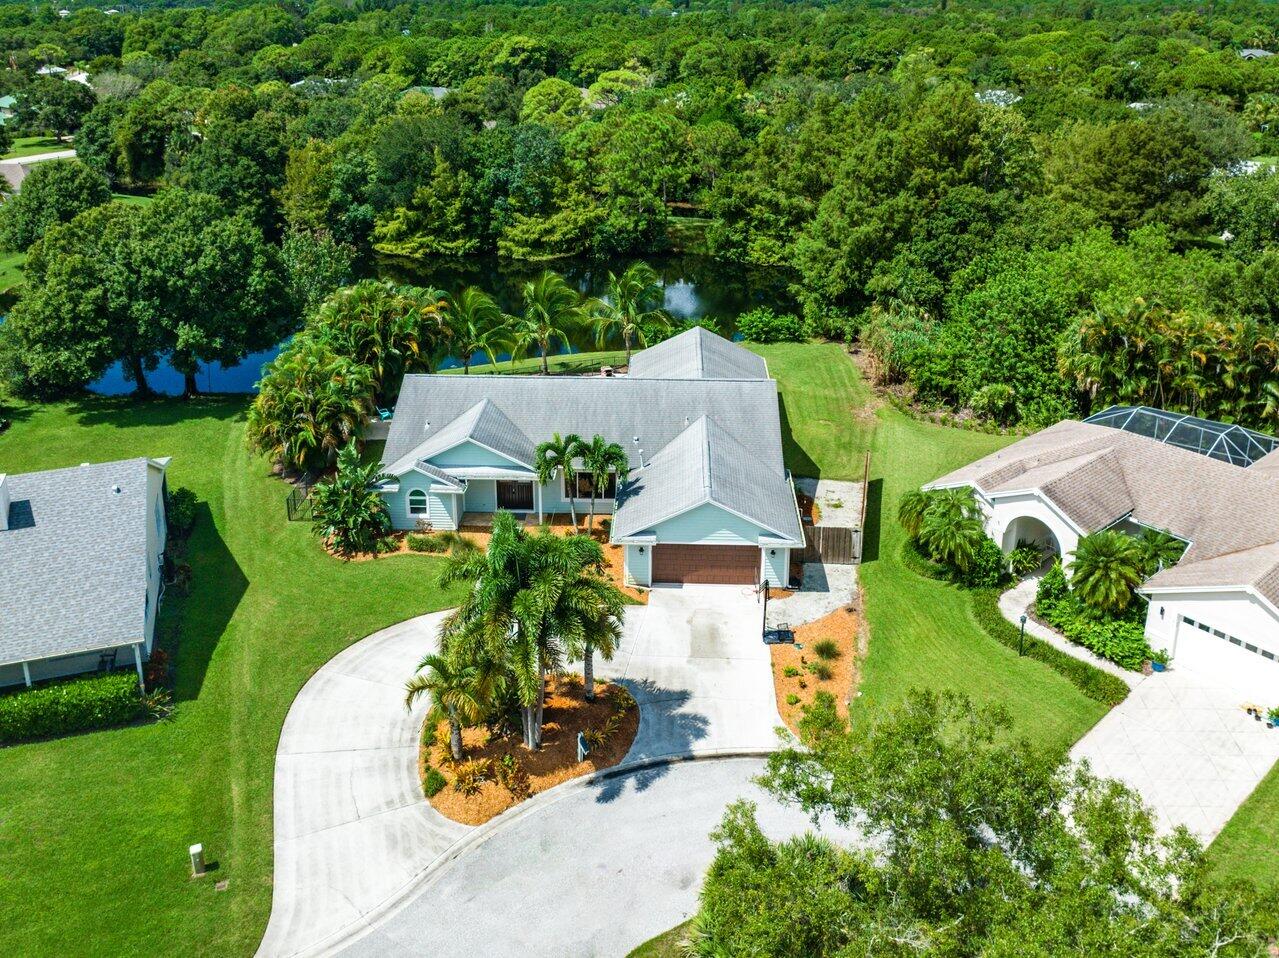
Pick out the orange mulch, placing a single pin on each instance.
(840, 627)
(566, 713)
(808, 507)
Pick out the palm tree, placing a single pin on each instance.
(552, 311)
(600, 633)
(555, 458)
(1107, 567)
(951, 537)
(633, 302)
(478, 326)
(530, 596)
(1158, 550)
(602, 459)
(912, 509)
(460, 692)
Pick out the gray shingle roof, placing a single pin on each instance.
(705, 464)
(697, 354)
(73, 575)
(1097, 475)
(483, 423)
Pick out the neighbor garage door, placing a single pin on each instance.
(726, 565)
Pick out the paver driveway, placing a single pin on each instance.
(1182, 739)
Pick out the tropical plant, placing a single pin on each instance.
(911, 511)
(603, 460)
(310, 403)
(477, 325)
(947, 525)
(600, 632)
(553, 312)
(347, 511)
(1159, 550)
(554, 459)
(631, 309)
(1107, 567)
(1024, 559)
(461, 693)
(531, 597)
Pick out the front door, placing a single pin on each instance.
(515, 496)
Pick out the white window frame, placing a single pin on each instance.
(426, 503)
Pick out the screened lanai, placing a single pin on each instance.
(1219, 440)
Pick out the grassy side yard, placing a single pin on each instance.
(95, 827)
(30, 145)
(572, 364)
(1245, 848)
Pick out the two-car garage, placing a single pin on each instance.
(711, 564)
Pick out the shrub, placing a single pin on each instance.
(428, 733)
(790, 671)
(470, 776)
(1024, 559)
(181, 512)
(1122, 641)
(77, 705)
(994, 401)
(156, 671)
(347, 512)
(988, 566)
(432, 781)
(1053, 589)
(821, 670)
(762, 325)
(792, 699)
(426, 543)
(826, 649)
(512, 776)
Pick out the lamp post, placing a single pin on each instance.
(1021, 639)
(763, 587)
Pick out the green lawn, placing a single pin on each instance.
(29, 145)
(94, 828)
(665, 945)
(1245, 848)
(11, 269)
(570, 364)
(130, 199)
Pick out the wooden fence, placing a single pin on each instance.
(837, 545)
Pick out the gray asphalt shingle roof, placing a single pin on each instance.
(73, 562)
(483, 423)
(697, 354)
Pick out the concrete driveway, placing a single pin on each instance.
(1183, 741)
(352, 828)
(592, 868)
(695, 660)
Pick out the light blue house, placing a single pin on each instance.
(81, 551)
(707, 497)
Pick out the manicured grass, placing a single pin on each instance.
(665, 945)
(30, 145)
(570, 364)
(94, 828)
(129, 199)
(1245, 848)
(11, 269)
(827, 423)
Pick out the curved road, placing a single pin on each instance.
(596, 870)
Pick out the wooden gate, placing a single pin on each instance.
(837, 545)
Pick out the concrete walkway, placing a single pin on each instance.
(825, 589)
(1018, 600)
(352, 828)
(593, 868)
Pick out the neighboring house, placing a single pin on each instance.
(80, 568)
(8, 108)
(707, 498)
(1212, 485)
(17, 170)
(1253, 53)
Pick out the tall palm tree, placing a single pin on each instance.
(555, 458)
(1107, 567)
(632, 302)
(600, 633)
(478, 326)
(602, 459)
(552, 312)
(530, 596)
(460, 692)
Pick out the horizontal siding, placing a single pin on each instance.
(481, 495)
(777, 566)
(440, 515)
(708, 525)
(638, 565)
(469, 454)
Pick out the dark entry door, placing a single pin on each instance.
(515, 496)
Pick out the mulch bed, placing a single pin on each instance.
(567, 713)
(842, 628)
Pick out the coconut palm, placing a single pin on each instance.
(1107, 566)
(478, 326)
(602, 459)
(530, 597)
(310, 403)
(555, 458)
(461, 693)
(632, 305)
(1158, 550)
(347, 511)
(552, 313)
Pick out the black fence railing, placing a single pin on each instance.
(298, 503)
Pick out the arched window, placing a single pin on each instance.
(417, 503)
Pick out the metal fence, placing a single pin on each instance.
(298, 504)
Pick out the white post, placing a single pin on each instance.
(26, 673)
(197, 860)
(137, 660)
(537, 491)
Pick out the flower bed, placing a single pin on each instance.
(497, 772)
(824, 658)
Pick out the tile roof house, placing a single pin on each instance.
(706, 499)
(80, 568)
(1075, 478)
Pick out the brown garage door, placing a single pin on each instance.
(726, 565)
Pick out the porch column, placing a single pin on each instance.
(26, 673)
(137, 660)
(537, 492)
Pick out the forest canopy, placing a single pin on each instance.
(1029, 210)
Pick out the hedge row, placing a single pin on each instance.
(1092, 681)
(78, 705)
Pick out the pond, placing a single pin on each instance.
(697, 287)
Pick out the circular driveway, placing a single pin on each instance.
(596, 870)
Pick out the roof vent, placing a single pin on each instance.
(606, 372)
(426, 426)
(115, 489)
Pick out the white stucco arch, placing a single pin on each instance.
(1028, 516)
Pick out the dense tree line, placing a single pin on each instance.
(981, 194)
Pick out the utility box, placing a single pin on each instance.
(197, 860)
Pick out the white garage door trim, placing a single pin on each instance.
(1225, 636)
